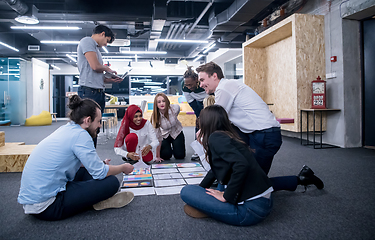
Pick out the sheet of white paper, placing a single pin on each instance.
(169, 182)
(167, 176)
(193, 174)
(140, 164)
(168, 190)
(164, 170)
(193, 169)
(140, 191)
(198, 148)
(193, 180)
(164, 165)
(189, 165)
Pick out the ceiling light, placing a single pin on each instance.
(59, 42)
(6, 45)
(105, 49)
(143, 52)
(209, 48)
(44, 28)
(54, 66)
(197, 58)
(180, 41)
(120, 43)
(116, 59)
(27, 19)
(71, 58)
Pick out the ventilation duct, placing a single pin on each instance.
(238, 14)
(20, 7)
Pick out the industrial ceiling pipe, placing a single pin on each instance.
(18, 6)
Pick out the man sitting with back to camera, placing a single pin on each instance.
(54, 186)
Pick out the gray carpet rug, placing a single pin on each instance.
(344, 209)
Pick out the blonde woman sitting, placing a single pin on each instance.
(168, 129)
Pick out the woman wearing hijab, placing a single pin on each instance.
(136, 137)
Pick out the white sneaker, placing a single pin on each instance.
(118, 200)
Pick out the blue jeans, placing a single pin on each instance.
(249, 213)
(265, 144)
(79, 196)
(97, 95)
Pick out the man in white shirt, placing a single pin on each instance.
(255, 124)
(64, 175)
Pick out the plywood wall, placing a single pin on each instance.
(310, 58)
(255, 70)
(280, 68)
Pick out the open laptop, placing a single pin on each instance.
(111, 75)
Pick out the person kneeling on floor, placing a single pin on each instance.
(64, 174)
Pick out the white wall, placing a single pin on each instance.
(40, 97)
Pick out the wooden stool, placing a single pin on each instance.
(54, 116)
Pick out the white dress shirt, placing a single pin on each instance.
(146, 136)
(246, 110)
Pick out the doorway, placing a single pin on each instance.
(368, 83)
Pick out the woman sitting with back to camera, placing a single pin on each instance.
(136, 135)
(246, 199)
(168, 129)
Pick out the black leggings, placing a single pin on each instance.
(177, 148)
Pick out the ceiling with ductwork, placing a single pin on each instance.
(138, 25)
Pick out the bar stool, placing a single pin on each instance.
(102, 137)
(111, 122)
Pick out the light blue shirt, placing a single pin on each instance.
(56, 160)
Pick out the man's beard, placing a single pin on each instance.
(93, 132)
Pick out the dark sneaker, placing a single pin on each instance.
(192, 212)
(195, 157)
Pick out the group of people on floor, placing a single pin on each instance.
(64, 175)
(155, 140)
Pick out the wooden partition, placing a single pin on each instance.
(281, 62)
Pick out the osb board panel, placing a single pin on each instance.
(13, 163)
(2, 138)
(310, 59)
(272, 35)
(255, 70)
(307, 54)
(187, 120)
(282, 87)
(11, 149)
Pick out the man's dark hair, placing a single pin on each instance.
(82, 108)
(211, 68)
(108, 32)
(190, 73)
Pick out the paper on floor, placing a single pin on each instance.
(168, 190)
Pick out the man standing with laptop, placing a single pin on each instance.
(91, 67)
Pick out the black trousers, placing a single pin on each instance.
(79, 196)
(265, 144)
(171, 146)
